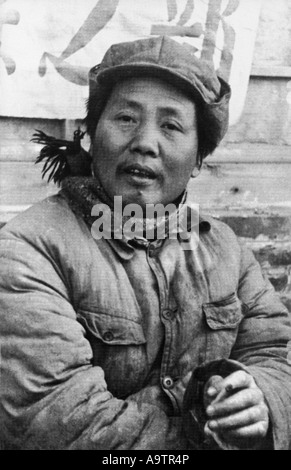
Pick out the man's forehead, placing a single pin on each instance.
(150, 90)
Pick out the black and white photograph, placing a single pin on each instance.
(145, 227)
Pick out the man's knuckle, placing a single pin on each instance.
(259, 395)
(261, 429)
(251, 398)
(266, 414)
(242, 376)
(215, 380)
(256, 396)
(255, 414)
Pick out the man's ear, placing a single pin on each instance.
(196, 171)
(197, 168)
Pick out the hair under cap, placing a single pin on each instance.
(165, 58)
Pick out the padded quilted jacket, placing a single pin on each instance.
(99, 338)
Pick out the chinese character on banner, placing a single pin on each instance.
(47, 47)
(8, 17)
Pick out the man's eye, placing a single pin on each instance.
(126, 118)
(170, 126)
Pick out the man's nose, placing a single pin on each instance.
(146, 140)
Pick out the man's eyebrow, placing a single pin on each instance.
(122, 101)
(176, 111)
(172, 110)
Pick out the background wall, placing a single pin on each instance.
(247, 181)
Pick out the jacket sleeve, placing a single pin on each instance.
(262, 345)
(51, 395)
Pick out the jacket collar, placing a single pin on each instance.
(82, 193)
(125, 248)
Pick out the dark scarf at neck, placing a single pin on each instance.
(84, 192)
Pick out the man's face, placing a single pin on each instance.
(145, 145)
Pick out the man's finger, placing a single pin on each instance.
(241, 400)
(211, 389)
(241, 419)
(237, 380)
(251, 432)
(214, 385)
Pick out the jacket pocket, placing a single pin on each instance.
(112, 330)
(118, 347)
(222, 319)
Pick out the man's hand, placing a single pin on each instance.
(238, 414)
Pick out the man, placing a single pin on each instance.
(136, 343)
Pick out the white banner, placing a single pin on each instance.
(48, 46)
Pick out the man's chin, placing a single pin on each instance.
(140, 197)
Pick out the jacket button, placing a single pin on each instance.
(167, 314)
(168, 382)
(108, 336)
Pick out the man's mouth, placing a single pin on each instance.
(140, 171)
